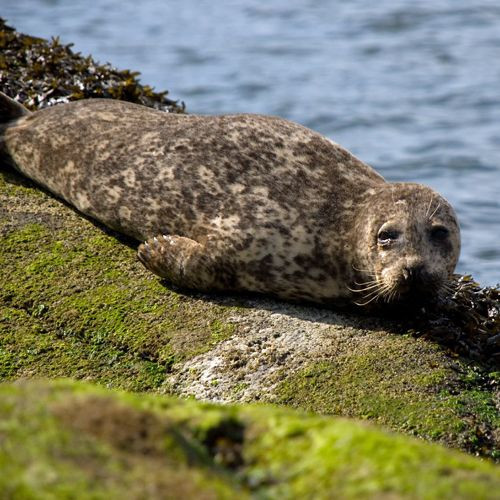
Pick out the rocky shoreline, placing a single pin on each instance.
(75, 303)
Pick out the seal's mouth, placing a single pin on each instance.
(416, 281)
(415, 293)
(415, 285)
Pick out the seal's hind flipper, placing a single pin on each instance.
(10, 109)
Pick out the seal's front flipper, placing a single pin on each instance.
(184, 262)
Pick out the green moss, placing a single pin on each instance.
(402, 385)
(220, 331)
(63, 439)
(95, 446)
(75, 302)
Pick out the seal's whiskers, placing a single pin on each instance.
(368, 285)
(369, 272)
(381, 290)
(434, 213)
(428, 211)
(376, 295)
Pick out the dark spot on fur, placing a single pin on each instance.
(301, 260)
(244, 243)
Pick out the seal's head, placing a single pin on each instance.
(406, 244)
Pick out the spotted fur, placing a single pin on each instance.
(234, 202)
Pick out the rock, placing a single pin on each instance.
(74, 302)
(66, 439)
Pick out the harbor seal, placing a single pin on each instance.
(238, 202)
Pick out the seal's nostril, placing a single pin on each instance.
(413, 272)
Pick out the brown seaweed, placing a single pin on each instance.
(40, 73)
(466, 322)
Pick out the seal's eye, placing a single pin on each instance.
(439, 233)
(387, 236)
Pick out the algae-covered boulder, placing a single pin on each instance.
(75, 302)
(68, 440)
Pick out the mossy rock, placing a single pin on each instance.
(328, 363)
(75, 302)
(73, 440)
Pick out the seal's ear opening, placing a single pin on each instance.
(10, 109)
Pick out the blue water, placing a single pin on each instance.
(412, 88)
